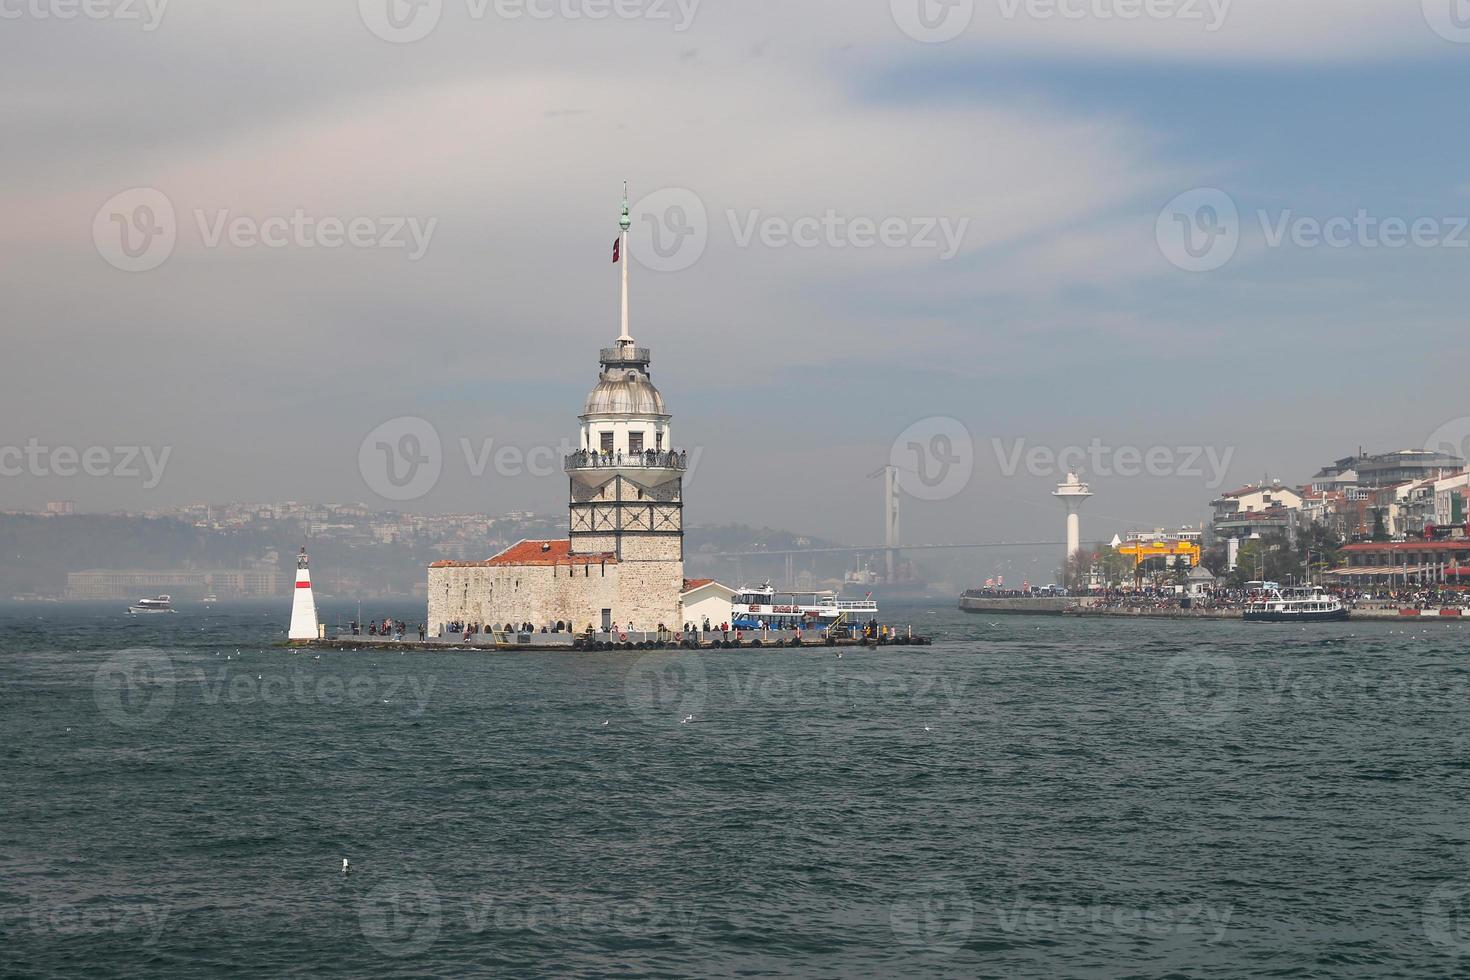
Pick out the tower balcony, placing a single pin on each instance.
(593, 460)
(625, 356)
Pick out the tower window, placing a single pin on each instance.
(635, 442)
(607, 442)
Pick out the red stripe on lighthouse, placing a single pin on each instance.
(303, 585)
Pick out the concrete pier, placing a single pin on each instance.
(565, 642)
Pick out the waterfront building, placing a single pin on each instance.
(1405, 563)
(186, 583)
(704, 598)
(1387, 469)
(622, 562)
(1262, 508)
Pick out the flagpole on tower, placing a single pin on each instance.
(625, 222)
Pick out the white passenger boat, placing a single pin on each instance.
(163, 604)
(1304, 604)
(789, 610)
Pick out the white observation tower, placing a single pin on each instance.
(1072, 492)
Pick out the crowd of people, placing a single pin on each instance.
(395, 628)
(1148, 597)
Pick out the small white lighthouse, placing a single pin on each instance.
(1072, 493)
(303, 606)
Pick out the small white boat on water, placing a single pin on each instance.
(163, 604)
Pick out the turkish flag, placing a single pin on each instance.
(617, 250)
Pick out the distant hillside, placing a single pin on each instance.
(36, 552)
(39, 551)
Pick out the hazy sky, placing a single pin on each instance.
(1077, 297)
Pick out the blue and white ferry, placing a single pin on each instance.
(754, 608)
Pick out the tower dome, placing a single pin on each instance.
(628, 394)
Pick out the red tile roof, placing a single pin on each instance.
(534, 553)
(690, 584)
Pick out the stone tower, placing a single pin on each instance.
(627, 479)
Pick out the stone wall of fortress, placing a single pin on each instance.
(645, 592)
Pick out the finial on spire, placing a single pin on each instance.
(626, 221)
